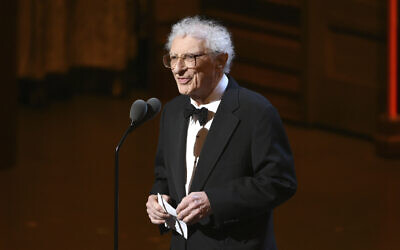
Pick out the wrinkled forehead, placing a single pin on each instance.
(188, 44)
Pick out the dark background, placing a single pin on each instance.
(71, 69)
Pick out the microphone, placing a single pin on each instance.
(140, 112)
(153, 107)
(143, 111)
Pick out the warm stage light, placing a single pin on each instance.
(392, 59)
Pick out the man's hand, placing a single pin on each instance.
(194, 207)
(156, 213)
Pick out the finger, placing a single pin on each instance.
(153, 203)
(156, 221)
(158, 208)
(188, 210)
(166, 197)
(184, 211)
(157, 215)
(183, 205)
(182, 214)
(154, 209)
(201, 199)
(188, 203)
(193, 217)
(152, 198)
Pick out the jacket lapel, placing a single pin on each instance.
(221, 130)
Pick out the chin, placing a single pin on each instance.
(189, 93)
(184, 90)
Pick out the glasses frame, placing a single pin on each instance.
(183, 57)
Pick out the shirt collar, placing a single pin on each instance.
(215, 96)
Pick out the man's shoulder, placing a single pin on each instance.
(248, 97)
(252, 104)
(252, 98)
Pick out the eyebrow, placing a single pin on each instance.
(189, 53)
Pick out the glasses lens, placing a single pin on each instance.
(190, 60)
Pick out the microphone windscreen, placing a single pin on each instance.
(154, 106)
(138, 111)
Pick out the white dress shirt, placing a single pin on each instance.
(197, 132)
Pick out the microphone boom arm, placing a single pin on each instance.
(140, 112)
(116, 184)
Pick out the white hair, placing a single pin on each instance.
(216, 36)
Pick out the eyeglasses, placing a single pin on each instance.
(170, 61)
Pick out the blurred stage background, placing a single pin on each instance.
(71, 69)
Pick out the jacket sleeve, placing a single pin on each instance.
(273, 180)
(160, 182)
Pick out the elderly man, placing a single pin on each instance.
(223, 158)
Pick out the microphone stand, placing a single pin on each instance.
(116, 184)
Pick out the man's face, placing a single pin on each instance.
(198, 82)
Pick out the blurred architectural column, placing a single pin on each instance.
(55, 35)
(42, 34)
(8, 92)
(388, 137)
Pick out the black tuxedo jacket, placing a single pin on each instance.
(245, 167)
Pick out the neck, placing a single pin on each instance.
(201, 101)
(210, 95)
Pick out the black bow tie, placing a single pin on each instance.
(201, 114)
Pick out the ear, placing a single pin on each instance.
(221, 60)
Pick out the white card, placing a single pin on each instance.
(173, 222)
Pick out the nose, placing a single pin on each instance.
(180, 66)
